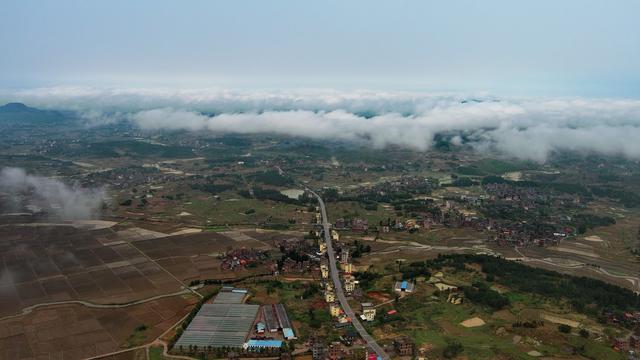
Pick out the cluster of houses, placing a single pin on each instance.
(237, 259)
(630, 344)
(400, 347)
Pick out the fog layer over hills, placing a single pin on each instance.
(527, 128)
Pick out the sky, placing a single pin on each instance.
(536, 48)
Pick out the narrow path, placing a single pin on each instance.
(30, 309)
(166, 271)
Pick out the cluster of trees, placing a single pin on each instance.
(452, 350)
(272, 177)
(211, 187)
(626, 198)
(310, 291)
(583, 222)
(462, 182)
(480, 293)
(416, 206)
(360, 249)
(415, 269)
(586, 295)
(366, 278)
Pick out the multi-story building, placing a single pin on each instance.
(335, 309)
(403, 346)
(368, 311)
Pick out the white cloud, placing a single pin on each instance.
(529, 128)
(64, 201)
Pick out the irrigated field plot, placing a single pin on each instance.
(76, 331)
(57, 263)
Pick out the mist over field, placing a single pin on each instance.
(526, 128)
(62, 201)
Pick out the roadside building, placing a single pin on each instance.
(347, 268)
(368, 311)
(335, 309)
(350, 284)
(329, 296)
(344, 255)
(324, 271)
(328, 286)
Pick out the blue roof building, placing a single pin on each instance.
(263, 344)
(288, 333)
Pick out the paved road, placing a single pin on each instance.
(335, 276)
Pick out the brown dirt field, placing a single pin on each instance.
(130, 355)
(76, 331)
(56, 263)
(379, 296)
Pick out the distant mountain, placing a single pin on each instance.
(21, 114)
(16, 107)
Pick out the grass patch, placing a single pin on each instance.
(155, 353)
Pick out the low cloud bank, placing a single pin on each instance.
(528, 128)
(60, 200)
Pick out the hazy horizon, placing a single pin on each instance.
(546, 48)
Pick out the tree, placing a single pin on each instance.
(564, 328)
(452, 350)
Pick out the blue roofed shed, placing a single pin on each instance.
(288, 333)
(263, 344)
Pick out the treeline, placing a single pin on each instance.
(583, 222)
(415, 269)
(586, 295)
(211, 187)
(626, 198)
(272, 177)
(417, 206)
(462, 182)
